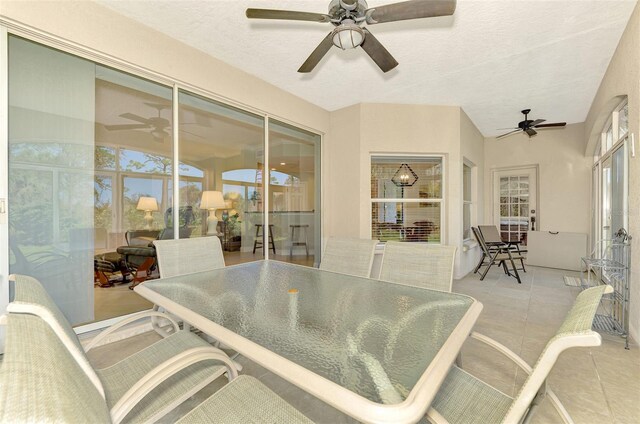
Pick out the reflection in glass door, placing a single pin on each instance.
(294, 187)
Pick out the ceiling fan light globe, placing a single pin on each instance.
(158, 134)
(348, 36)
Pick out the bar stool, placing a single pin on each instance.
(258, 240)
(298, 242)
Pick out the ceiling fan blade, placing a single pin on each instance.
(531, 132)
(509, 133)
(125, 127)
(377, 52)
(135, 118)
(510, 128)
(317, 55)
(536, 122)
(415, 9)
(288, 15)
(555, 124)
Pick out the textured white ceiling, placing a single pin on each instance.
(492, 58)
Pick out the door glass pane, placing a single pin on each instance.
(618, 195)
(294, 187)
(87, 146)
(605, 231)
(221, 165)
(514, 207)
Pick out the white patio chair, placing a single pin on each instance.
(465, 399)
(193, 362)
(420, 265)
(349, 256)
(40, 381)
(187, 256)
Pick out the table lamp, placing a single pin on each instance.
(148, 205)
(212, 200)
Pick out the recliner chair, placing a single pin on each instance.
(140, 254)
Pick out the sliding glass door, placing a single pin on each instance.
(294, 194)
(92, 180)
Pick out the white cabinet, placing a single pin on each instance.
(556, 249)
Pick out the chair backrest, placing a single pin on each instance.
(40, 381)
(31, 298)
(490, 233)
(478, 235)
(186, 256)
(186, 217)
(421, 265)
(349, 256)
(575, 331)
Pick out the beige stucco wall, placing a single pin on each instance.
(564, 175)
(360, 131)
(341, 176)
(623, 79)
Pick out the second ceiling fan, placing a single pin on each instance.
(348, 16)
(529, 126)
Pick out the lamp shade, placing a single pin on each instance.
(212, 200)
(147, 204)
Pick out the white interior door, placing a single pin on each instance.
(515, 201)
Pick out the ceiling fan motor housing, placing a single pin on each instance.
(341, 9)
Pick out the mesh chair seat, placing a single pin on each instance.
(120, 377)
(465, 399)
(117, 379)
(40, 382)
(244, 400)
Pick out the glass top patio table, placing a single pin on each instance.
(376, 350)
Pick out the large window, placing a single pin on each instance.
(610, 176)
(406, 198)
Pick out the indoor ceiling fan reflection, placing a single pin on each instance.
(159, 126)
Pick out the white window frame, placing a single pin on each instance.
(443, 191)
(471, 202)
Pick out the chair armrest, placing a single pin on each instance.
(435, 417)
(135, 317)
(566, 418)
(164, 371)
(502, 349)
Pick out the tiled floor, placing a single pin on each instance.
(597, 385)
